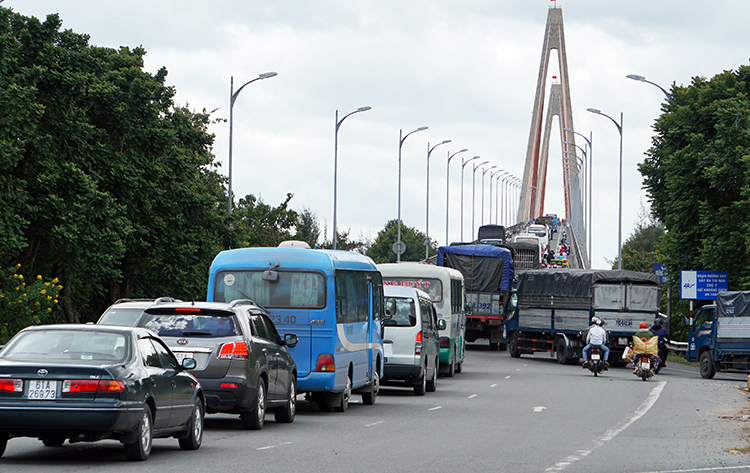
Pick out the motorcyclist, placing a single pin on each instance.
(663, 335)
(644, 334)
(596, 336)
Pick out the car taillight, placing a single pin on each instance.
(229, 385)
(91, 385)
(233, 349)
(445, 342)
(11, 385)
(419, 336)
(325, 363)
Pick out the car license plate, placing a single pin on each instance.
(622, 341)
(594, 356)
(181, 356)
(646, 365)
(41, 389)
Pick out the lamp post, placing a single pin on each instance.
(492, 178)
(499, 202)
(335, 163)
(506, 211)
(427, 200)
(463, 164)
(619, 217)
(232, 98)
(448, 188)
(643, 79)
(483, 173)
(399, 248)
(474, 192)
(590, 181)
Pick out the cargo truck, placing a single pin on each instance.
(719, 337)
(551, 308)
(488, 279)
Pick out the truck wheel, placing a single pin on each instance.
(513, 346)
(560, 352)
(707, 365)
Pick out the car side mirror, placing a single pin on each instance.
(189, 363)
(441, 324)
(290, 339)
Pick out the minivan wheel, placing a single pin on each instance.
(432, 384)
(256, 417)
(421, 387)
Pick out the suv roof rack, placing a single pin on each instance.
(160, 300)
(237, 302)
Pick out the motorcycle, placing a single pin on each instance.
(596, 363)
(663, 354)
(644, 368)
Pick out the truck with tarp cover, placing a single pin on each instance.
(719, 337)
(551, 308)
(488, 279)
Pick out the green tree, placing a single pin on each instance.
(381, 250)
(308, 227)
(640, 250)
(697, 175)
(255, 223)
(108, 186)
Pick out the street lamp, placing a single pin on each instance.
(463, 164)
(336, 160)
(400, 247)
(474, 192)
(506, 211)
(499, 200)
(232, 97)
(448, 188)
(591, 180)
(427, 200)
(492, 178)
(483, 173)
(619, 221)
(643, 79)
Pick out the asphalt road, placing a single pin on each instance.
(500, 414)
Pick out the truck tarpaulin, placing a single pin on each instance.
(486, 268)
(575, 283)
(733, 304)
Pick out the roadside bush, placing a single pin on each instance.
(26, 301)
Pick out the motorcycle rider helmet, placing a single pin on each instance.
(597, 321)
(644, 325)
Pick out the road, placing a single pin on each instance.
(501, 414)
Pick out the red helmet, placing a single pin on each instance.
(644, 325)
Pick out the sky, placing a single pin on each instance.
(467, 69)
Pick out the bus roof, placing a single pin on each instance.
(290, 258)
(414, 269)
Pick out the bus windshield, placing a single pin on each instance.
(290, 290)
(433, 287)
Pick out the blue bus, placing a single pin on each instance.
(332, 300)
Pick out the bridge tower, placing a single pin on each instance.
(537, 153)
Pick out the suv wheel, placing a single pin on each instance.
(255, 418)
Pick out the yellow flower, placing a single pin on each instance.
(18, 287)
(18, 265)
(55, 301)
(59, 288)
(36, 303)
(46, 284)
(15, 276)
(24, 295)
(39, 276)
(49, 309)
(49, 298)
(42, 292)
(20, 276)
(55, 281)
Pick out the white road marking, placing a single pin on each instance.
(472, 396)
(714, 468)
(374, 423)
(493, 385)
(612, 433)
(435, 408)
(507, 377)
(539, 408)
(273, 446)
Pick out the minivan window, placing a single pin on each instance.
(405, 314)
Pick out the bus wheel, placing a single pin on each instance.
(344, 402)
(369, 396)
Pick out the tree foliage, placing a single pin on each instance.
(641, 250)
(381, 250)
(697, 175)
(107, 185)
(255, 223)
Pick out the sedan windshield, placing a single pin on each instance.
(67, 346)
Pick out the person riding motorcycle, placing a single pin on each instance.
(596, 336)
(663, 335)
(644, 334)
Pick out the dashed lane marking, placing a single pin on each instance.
(472, 396)
(374, 423)
(435, 408)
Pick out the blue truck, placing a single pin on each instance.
(719, 337)
(551, 308)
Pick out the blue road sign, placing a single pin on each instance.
(659, 271)
(702, 285)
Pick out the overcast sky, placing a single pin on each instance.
(467, 69)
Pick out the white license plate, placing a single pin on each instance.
(646, 365)
(39, 389)
(181, 356)
(595, 356)
(622, 341)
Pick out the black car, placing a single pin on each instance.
(86, 383)
(242, 362)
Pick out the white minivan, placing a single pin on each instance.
(410, 339)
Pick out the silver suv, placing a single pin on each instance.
(242, 363)
(126, 311)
